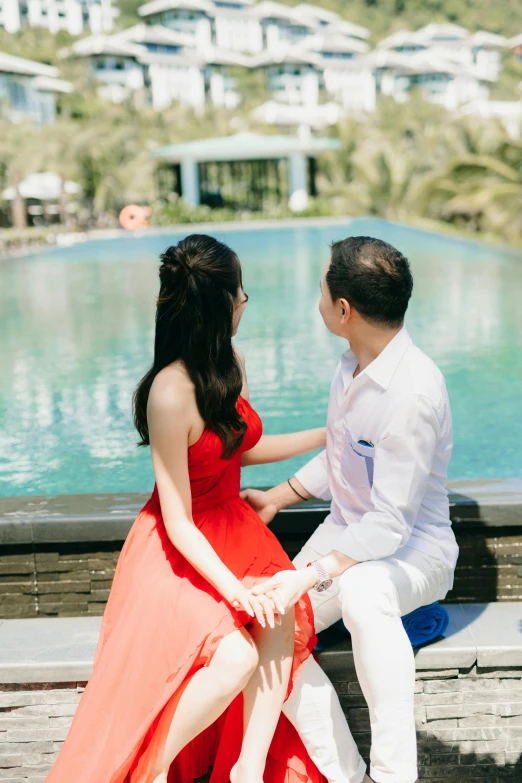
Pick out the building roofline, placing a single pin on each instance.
(9, 63)
(244, 146)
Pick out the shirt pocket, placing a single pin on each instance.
(357, 462)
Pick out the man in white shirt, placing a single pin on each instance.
(387, 546)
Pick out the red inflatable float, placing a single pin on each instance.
(133, 217)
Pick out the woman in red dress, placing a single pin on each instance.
(191, 669)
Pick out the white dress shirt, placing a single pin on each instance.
(393, 492)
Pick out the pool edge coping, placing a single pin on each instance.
(48, 519)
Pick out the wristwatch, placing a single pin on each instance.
(325, 580)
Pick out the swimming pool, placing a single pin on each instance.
(77, 334)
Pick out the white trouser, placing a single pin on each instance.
(371, 597)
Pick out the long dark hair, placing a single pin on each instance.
(199, 279)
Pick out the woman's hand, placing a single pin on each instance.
(261, 607)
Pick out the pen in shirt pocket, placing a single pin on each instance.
(368, 460)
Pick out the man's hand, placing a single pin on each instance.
(268, 503)
(262, 503)
(286, 588)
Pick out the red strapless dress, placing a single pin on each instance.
(163, 621)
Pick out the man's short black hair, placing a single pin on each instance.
(373, 277)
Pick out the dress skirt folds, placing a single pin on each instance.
(163, 621)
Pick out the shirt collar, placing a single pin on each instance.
(382, 368)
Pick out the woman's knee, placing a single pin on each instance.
(240, 658)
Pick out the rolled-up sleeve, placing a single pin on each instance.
(314, 477)
(403, 461)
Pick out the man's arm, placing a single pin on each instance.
(403, 459)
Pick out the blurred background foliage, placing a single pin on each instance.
(406, 162)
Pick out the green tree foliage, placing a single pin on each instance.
(383, 17)
(35, 44)
(406, 165)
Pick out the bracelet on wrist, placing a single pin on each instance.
(296, 492)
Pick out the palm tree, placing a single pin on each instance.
(480, 184)
(19, 160)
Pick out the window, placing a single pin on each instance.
(162, 48)
(17, 96)
(338, 55)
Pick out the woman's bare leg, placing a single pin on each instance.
(264, 696)
(206, 696)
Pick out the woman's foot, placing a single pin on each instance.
(239, 775)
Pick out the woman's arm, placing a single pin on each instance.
(274, 448)
(168, 413)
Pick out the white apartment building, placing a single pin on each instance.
(292, 75)
(442, 82)
(509, 113)
(346, 76)
(245, 26)
(72, 16)
(236, 29)
(322, 18)
(115, 64)
(481, 51)
(352, 84)
(282, 25)
(10, 15)
(332, 45)
(185, 49)
(159, 66)
(193, 17)
(28, 90)
(302, 117)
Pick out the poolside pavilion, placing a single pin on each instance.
(244, 171)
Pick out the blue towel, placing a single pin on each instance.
(426, 623)
(423, 625)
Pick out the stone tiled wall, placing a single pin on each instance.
(34, 721)
(64, 580)
(48, 580)
(469, 724)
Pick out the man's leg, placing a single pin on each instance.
(374, 596)
(313, 706)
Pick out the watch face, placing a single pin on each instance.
(324, 585)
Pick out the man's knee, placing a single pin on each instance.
(366, 593)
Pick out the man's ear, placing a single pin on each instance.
(345, 310)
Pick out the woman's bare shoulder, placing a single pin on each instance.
(172, 391)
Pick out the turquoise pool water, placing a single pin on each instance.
(77, 333)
